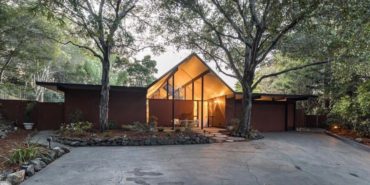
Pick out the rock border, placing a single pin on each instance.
(126, 141)
(29, 168)
(349, 141)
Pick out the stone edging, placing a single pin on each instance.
(29, 168)
(124, 141)
(349, 141)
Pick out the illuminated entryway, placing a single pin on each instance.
(189, 92)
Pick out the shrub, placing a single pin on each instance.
(136, 126)
(23, 154)
(76, 129)
(363, 129)
(234, 123)
(153, 122)
(107, 134)
(112, 125)
(75, 116)
(28, 111)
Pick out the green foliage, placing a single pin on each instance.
(353, 111)
(76, 129)
(23, 154)
(75, 116)
(136, 127)
(112, 125)
(107, 134)
(134, 73)
(363, 98)
(28, 111)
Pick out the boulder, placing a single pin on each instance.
(2, 134)
(3, 176)
(16, 177)
(59, 151)
(66, 150)
(52, 154)
(46, 159)
(5, 183)
(360, 140)
(38, 164)
(30, 169)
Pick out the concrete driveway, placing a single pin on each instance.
(280, 158)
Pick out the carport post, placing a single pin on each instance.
(173, 102)
(201, 104)
(286, 115)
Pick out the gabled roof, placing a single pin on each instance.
(189, 68)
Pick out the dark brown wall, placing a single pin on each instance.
(162, 109)
(49, 116)
(13, 110)
(300, 118)
(315, 121)
(291, 115)
(267, 116)
(46, 116)
(124, 107)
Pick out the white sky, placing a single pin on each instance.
(171, 57)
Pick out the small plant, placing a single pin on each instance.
(76, 129)
(153, 122)
(112, 125)
(28, 112)
(107, 134)
(23, 154)
(75, 116)
(136, 126)
(234, 124)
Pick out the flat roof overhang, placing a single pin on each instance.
(276, 97)
(62, 87)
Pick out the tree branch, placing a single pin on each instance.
(286, 71)
(232, 22)
(287, 28)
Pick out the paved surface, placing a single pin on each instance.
(279, 159)
(42, 136)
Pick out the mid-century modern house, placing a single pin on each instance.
(191, 91)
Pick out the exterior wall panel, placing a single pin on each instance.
(124, 107)
(162, 109)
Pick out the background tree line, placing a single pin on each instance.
(28, 54)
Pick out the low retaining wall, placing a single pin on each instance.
(124, 141)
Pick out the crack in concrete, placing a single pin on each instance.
(137, 180)
(138, 172)
(249, 171)
(353, 174)
(171, 183)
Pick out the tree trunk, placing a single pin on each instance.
(104, 94)
(245, 125)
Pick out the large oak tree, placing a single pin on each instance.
(103, 26)
(238, 35)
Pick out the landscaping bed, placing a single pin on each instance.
(20, 159)
(132, 138)
(351, 135)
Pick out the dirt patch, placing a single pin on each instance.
(351, 135)
(10, 142)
